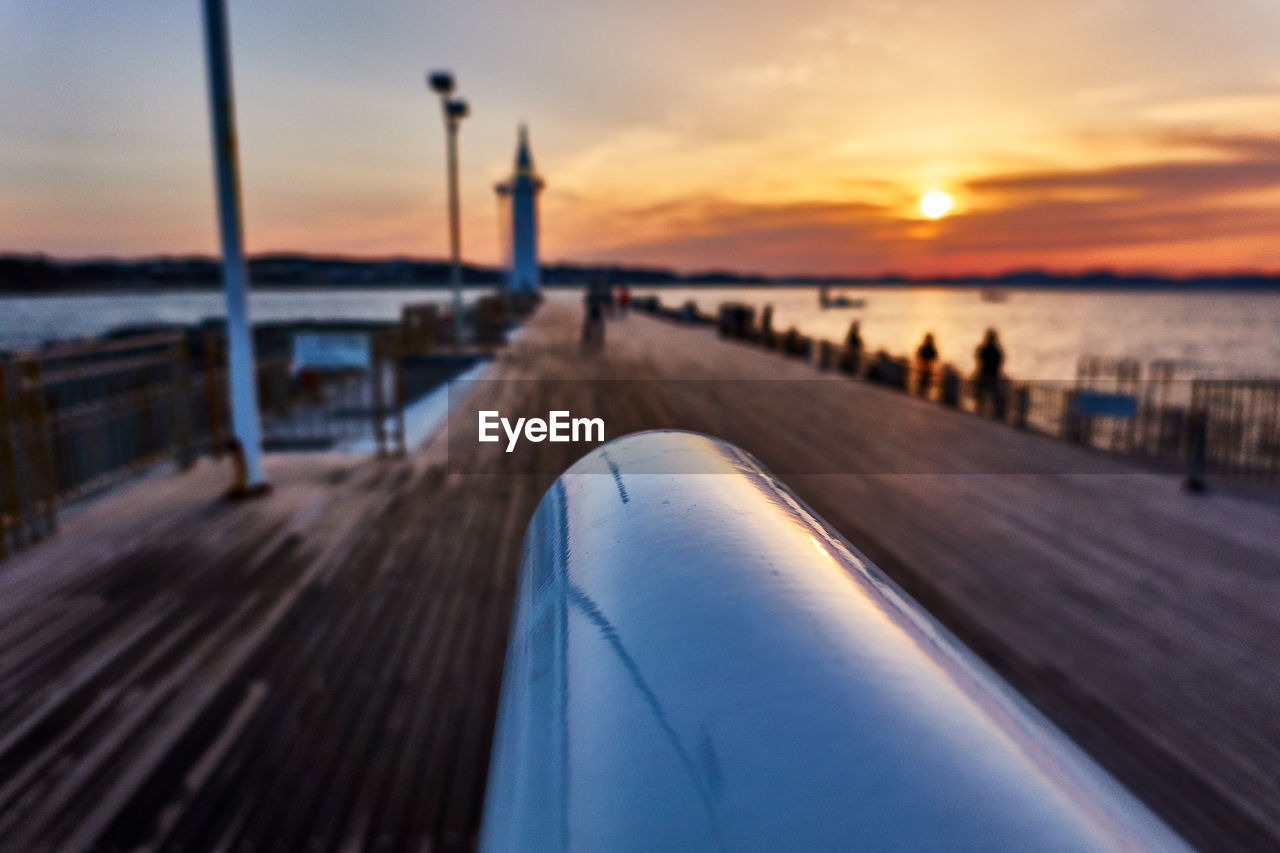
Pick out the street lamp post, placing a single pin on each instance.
(455, 110)
(240, 368)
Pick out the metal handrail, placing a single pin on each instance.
(698, 662)
(96, 347)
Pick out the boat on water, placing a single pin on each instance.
(826, 300)
(991, 294)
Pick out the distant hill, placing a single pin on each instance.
(41, 274)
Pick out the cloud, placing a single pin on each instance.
(1164, 213)
(1241, 163)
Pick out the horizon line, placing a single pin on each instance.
(705, 272)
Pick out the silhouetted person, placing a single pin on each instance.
(926, 355)
(766, 324)
(853, 349)
(990, 358)
(624, 299)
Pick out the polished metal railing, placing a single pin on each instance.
(698, 662)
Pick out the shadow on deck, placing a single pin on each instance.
(315, 669)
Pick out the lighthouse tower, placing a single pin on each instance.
(522, 190)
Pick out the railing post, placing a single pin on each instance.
(11, 506)
(181, 394)
(950, 386)
(379, 403)
(1132, 383)
(1022, 405)
(141, 403)
(1076, 424)
(407, 330)
(38, 445)
(824, 355)
(213, 393)
(1197, 450)
(397, 367)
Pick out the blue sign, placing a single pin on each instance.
(1098, 403)
(331, 350)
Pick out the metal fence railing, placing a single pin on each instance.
(28, 490)
(1164, 410)
(78, 418)
(1242, 426)
(112, 408)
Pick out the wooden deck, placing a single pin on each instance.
(319, 669)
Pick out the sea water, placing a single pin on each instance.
(1044, 332)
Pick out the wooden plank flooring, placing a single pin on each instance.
(319, 669)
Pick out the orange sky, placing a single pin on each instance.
(777, 138)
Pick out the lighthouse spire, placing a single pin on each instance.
(521, 191)
(524, 160)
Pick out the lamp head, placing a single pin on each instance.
(440, 82)
(456, 108)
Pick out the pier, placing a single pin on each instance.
(319, 668)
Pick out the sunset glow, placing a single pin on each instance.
(798, 140)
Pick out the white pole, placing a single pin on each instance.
(243, 385)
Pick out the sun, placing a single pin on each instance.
(935, 204)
